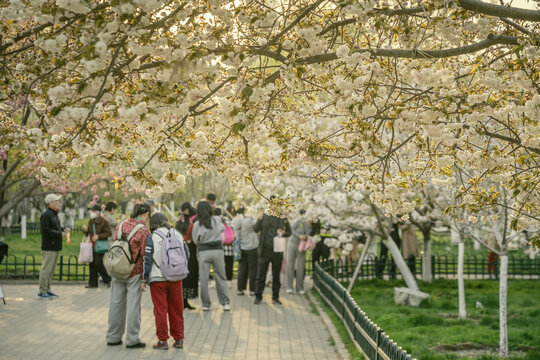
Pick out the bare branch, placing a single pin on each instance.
(499, 10)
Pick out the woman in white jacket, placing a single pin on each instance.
(166, 295)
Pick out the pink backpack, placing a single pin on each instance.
(228, 235)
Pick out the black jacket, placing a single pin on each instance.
(51, 231)
(268, 226)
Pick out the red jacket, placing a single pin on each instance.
(137, 243)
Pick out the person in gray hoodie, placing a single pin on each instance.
(206, 235)
(249, 243)
(300, 231)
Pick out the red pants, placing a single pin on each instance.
(168, 299)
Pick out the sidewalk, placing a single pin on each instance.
(74, 327)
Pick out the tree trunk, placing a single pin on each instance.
(23, 226)
(402, 266)
(461, 282)
(15, 200)
(503, 295)
(426, 257)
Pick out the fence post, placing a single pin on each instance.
(432, 266)
(61, 267)
(378, 341)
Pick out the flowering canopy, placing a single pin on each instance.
(394, 95)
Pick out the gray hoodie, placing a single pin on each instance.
(243, 227)
(208, 239)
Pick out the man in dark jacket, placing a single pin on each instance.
(52, 234)
(268, 227)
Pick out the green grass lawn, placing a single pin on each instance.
(432, 330)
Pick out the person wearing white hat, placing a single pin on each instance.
(52, 234)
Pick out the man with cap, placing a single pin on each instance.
(52, 234)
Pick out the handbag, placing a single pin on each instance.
(306, 244)
(101, 246)
(279, 244)
(86, 251)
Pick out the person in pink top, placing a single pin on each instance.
(125, 300)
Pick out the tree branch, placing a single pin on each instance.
(499, 10)
(420, 54)
(8, 172)
(18, 198)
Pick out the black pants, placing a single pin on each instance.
(97, 268)
(229, 262)
(247, 267)
(383, 259)
(265, 259)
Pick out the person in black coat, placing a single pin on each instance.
(52, 234)
(269, 227)
(190, 285)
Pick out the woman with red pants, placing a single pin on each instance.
(166, 295)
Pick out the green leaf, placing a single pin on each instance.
(246, 92)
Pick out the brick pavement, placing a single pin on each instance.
(74, 327)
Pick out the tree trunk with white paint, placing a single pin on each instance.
(461, 281)
(426, 256)
(81, 213)
(503, 296)
(23, 227)
(402, 266)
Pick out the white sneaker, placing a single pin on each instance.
(302, 292)
(289, 291)
(205, 308)
(226, 307)
(229, 284)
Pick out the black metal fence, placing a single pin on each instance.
(474, 267)
(67, 268)
(32, 228)
(365, 335)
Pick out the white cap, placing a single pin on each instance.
(52, 197)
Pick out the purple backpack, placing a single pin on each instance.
(174, 257)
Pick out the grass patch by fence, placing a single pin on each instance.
(433, 331)
(351, 349)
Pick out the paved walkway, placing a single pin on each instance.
(74, 327)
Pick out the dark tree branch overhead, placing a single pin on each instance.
(419, 54)
(499, 10)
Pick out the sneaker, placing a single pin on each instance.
(226, 307)
(276, 302)
(161, 345)
(51, 294)
(252, 293)
(138, 345)
(289, 291)
(119, 342)
(205, 308)
(302, 292)
(240, 293)
(257, 300)
(179, 344)
(44, 296)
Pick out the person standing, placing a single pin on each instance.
(125, 299)
(190, 285)
(108, 214)
(249, 242)
(228, 253)
(206, 234)
(98, 229)
(166, 295)
(269, 227)
(51, 244)
(409, 245)
(300, 231)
